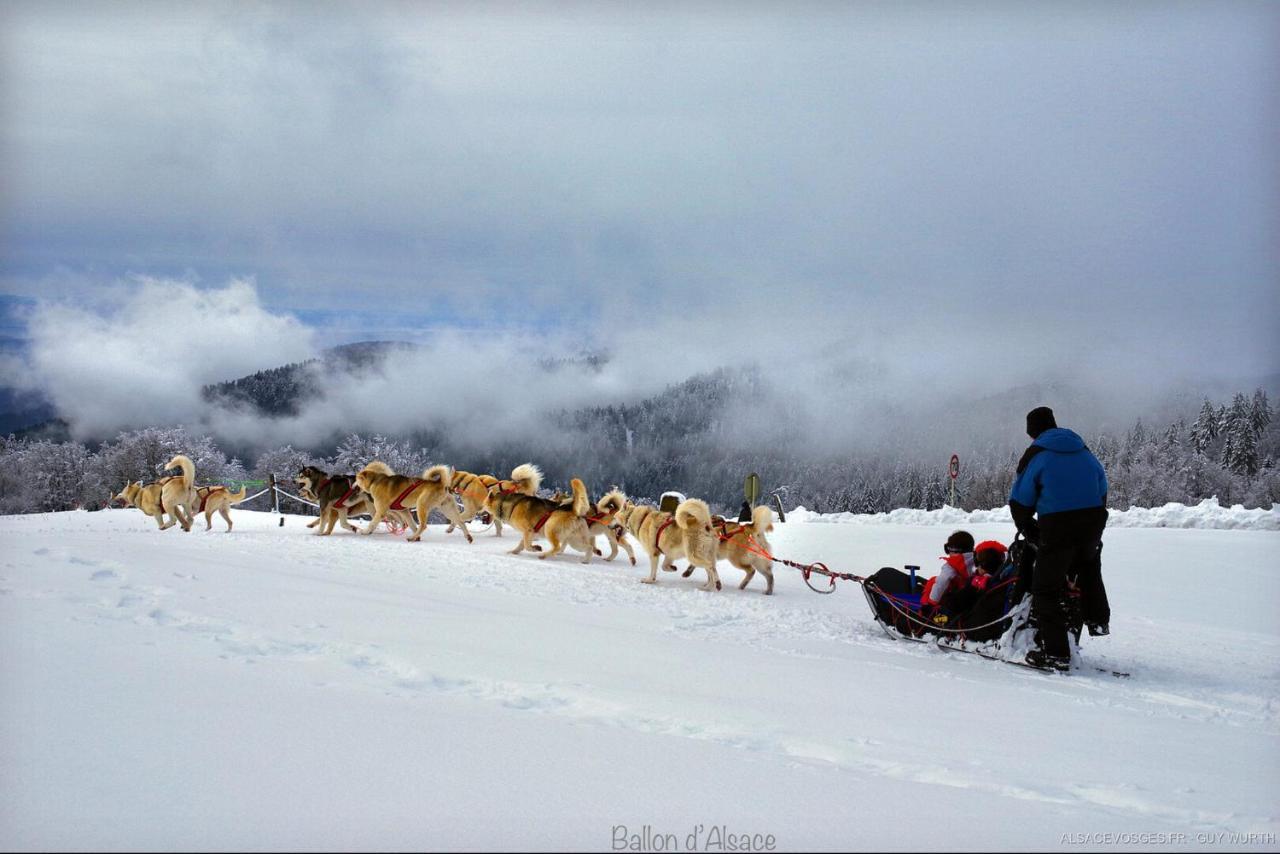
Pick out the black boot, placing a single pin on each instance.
(1097, 630)
(1041, 659)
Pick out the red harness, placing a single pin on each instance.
(657, 541)
(395, 505)
(207, 493)
(338, 505)
(543, 521)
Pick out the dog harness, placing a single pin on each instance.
(205, 493)
(657, 541)
(538, 527)
(395, 505)
(725, 534)
(338, 504)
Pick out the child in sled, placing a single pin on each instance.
(967, 571)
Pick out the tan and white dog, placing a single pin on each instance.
(174, 495)
(743, 545)
(430, 492)
(473, 489)
(604, 521)
(563, 524)
(685, 533)
(217, 499)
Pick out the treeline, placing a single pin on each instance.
(676, 441)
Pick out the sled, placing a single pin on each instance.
(994, 623)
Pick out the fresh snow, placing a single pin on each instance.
(1207, 514)
(269, 689)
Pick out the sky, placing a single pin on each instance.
(957, 196)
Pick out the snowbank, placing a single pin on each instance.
(1207, 514)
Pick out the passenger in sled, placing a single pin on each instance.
(967, 572)
(970, 596)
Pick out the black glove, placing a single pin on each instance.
(1031, 530)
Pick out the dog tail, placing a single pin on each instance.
(188, 470)
(693, 513)
(527, 477)
(237, 497)
(581, 501)
(761, 520)
(377, 467)
(438, 474)
(611, 503)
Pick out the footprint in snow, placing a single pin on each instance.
(104, 575)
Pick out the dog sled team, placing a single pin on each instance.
(573, 521)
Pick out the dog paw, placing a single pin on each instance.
(648, 581)
(633, 561)
(688, 572)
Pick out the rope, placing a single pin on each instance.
(806, 569)
(289, 495)
(256, 494)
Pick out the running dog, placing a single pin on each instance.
(174, 495)
(217, 499)
(472, 489)
(562, 524)
(685, 533)
(604, 521)
(429, 492)
(339, 499)
(745, 546)
(148, 499)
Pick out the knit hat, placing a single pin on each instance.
(989, 554)
(1039, 420)
(960, 541)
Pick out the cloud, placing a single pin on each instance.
(877, 203)
(141, 355)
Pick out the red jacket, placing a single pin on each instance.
(956, 571)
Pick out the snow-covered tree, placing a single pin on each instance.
(1240, 441)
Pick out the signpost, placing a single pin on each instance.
(954, 471)
(751, 491)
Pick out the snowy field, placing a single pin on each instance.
(268, 689)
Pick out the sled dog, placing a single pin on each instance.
(472, 489)
(685, 533)
(389, 491)
(339, 499)
(217, 499)
(741, 545)
(562, 524)
(604, 521)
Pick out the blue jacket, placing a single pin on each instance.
(1062, 475)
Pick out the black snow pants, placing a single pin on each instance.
(1070, 548)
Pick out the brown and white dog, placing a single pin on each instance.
(563, 524)
(430, 492)
(473, 489)
(685, 533)
(339, 498)
(742, 545)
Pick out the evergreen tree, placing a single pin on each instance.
(1205, 428)
(1240, 442)
(1259, 412)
